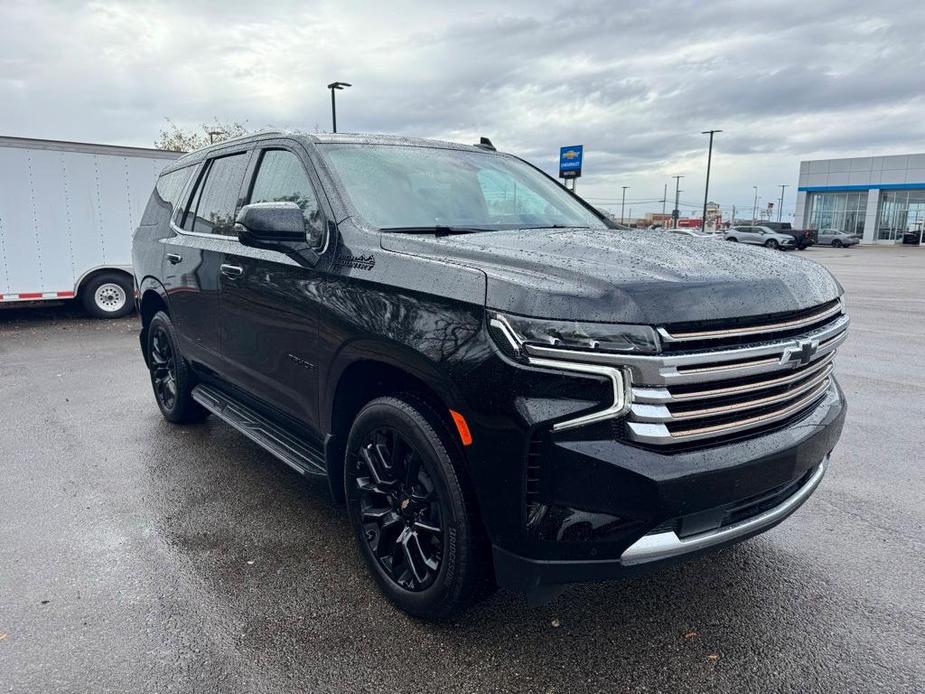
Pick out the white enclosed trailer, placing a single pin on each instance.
(67, 214)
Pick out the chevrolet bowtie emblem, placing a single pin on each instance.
(803, 352)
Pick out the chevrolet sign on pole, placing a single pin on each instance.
(570, 161)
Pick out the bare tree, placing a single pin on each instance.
(178, 139)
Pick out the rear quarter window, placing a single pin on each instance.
(165, 195)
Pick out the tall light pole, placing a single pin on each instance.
(664, 197)
(780, 209)
(623, 203)
(334, 86)
(755, 207)
(675, 213)
(706, 189)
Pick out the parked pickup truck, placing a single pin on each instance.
(500, 387)
(804, 237)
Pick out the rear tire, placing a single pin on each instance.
(734, 240)
(108, 295)
(171, 377)
(415, 523)
(837, 243)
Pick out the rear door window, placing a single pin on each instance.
(215, 201)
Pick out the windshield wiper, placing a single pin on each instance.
(437, 229)
(557, 226)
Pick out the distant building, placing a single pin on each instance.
(882, 199)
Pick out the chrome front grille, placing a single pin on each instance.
(718, 389)
(703, 395)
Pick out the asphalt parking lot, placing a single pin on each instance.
(138, 556)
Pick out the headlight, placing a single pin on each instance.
(570, 346)
(512, 332)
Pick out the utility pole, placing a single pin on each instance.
(664, 198)
(335, 86)
(755, 206)
(732, 221)
(623, 203)
(675, 213)
(780, 209)
(706, 189)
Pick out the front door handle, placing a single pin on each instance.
(173, 258)
(232, 271)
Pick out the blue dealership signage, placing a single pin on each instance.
(570, 161)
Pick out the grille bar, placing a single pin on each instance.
(804, 321)
(660, 433)
(663, 395)
(662, 413)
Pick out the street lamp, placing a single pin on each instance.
(755, 207)
(622, 203)
(332, 87)
(675, 213)
(706, 190)
(780, 208)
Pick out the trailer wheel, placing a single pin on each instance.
(108, 295)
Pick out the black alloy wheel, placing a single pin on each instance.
(837, 243)
(163, 368)
(171, 377)
(400, 509)
(771, 243)
(412, 510)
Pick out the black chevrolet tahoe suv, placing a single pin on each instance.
(501, 388)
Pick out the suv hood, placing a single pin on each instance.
(639, 277)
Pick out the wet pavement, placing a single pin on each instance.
(136, 556)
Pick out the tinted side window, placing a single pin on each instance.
(213, 207)
(165, 195)
(282, 178)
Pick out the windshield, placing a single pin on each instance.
(414, 188)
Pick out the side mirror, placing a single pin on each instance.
(270, 222)
(276, 226)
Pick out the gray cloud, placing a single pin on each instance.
(635, 84)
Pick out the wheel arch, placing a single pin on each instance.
(95, 272)
(152, 297)
(366, 374)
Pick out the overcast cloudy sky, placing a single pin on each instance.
(635, 83)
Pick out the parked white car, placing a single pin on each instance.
(693, 233)
(760, 236)
(837, 238)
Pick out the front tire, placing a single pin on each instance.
(837, 243)
(734, 240)
(171, 377)
(772, 244)
(108, 295)
(414, 522)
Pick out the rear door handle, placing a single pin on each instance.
(232, 271)
(173, 258)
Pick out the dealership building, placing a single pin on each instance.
(882, 199)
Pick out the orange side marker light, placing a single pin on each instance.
(464, 434)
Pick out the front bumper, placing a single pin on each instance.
(682, 504)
